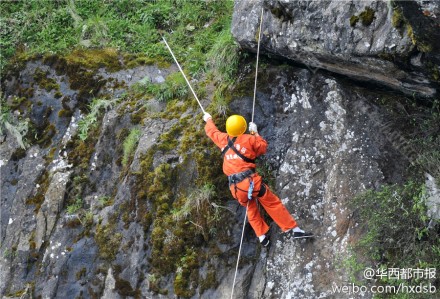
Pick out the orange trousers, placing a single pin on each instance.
(270, 202)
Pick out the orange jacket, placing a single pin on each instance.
(251, 146)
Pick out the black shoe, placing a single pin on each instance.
(265, 242)
(299, 235)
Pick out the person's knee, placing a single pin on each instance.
(242, 200)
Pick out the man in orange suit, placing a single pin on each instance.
(239, 152)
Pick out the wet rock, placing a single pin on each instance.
(40, 115)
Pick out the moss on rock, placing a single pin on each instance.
(108, 240)
(353, 20)
(44, 81)
(81, 67)
(38, 198)
(367, 16)
(401, 23)
(397, 19)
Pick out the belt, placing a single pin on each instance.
(240, 176)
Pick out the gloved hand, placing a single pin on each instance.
(206, 116)
(253, 128)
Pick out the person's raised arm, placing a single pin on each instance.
(260, 144)
(211, 130)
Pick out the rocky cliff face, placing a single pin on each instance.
(79, 221)
(327, 144)
(394, 43)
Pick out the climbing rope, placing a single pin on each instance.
(187, 82)
(239, 250)
(256, 68)
(253, 110)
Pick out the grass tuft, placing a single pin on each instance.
(130, 145)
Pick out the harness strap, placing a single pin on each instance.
(232, 147)
(240, 176)
(228, 145)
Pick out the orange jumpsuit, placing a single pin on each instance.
(251, 146)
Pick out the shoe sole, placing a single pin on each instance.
(303, 237)
(308, 235)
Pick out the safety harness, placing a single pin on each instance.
(236, 178)
(231, 146)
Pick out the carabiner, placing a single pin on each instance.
(250, 190)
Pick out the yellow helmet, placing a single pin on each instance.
(235, 125)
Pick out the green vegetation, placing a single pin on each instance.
(353, 20)
(76, 39)
(38, 199)
(42, 78)
(428, 139)
(10, 253)
(129, 145)
(105, 201)
(393, 218)
(220, 100)
(223, 57)
(183, 221)
(75, 206)
(96, 108)
(81, 273)
(174, 87)
(367, 16)
(397, 19)
(16, 126)
(186, 274)
(401, 23)
(396, 232)
(417, 41)
(35, 27)
(108, 240)
(195, 203)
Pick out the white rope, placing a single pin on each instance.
(187, 82)
(253, 110)
(239, 250)
(256, 68)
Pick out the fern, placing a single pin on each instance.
(96, 107)
(17, 128)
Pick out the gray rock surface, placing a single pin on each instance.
(318, 34)
(324, 150)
